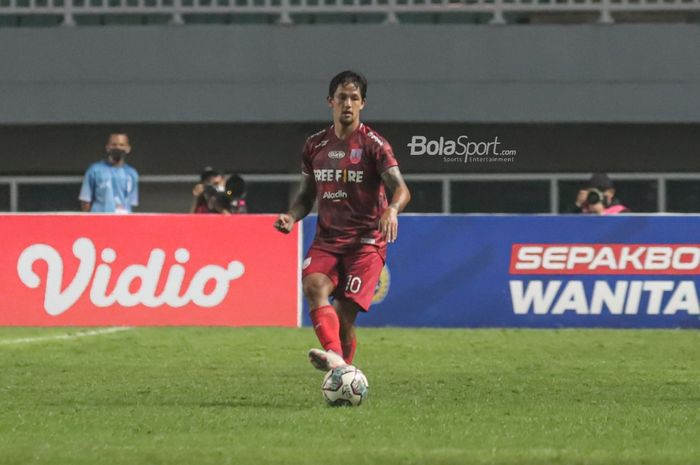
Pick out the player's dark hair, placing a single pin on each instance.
(348, 77)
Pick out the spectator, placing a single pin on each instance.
(211, 182)
(598, 197)
(111, 185)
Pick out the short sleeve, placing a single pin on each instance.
(86, 190)
(385, 157)
(306, 167)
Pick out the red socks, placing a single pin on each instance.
(327, 327)
(349, 350)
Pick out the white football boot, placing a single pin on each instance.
(325, 360)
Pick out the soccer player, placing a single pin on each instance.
(111, 185)
(345, 167)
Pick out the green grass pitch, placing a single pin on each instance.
(202, 396)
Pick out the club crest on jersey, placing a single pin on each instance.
(355, 155)
(336, 154)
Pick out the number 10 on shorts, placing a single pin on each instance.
(353, 284)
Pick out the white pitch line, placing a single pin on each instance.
(65, 337)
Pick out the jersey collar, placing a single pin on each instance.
(335, 137)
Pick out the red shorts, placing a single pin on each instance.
(354, 274)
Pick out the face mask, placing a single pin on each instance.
(117, 155)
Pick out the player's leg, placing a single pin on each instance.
(317, 288)
(361, 272)
(347, 313)
(318, 283)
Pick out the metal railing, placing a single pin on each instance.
(284, 10)
(446, 181)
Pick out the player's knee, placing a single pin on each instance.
(315, 289)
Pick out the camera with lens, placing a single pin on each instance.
(597, 196)
(236, 192)
(214, 198)
(594, 197)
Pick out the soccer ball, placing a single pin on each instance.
(344, 386)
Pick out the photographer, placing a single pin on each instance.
(212, 195)
(598, 197)
(205, 192)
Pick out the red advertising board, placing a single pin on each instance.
(147, 270)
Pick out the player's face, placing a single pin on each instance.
(346, 104)
(118, 141)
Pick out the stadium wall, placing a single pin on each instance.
(67, 149)
(568, 98)
(419, 73)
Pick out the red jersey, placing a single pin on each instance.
(349, 188)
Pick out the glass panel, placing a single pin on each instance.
(426, 197)
(638, 196)
(269, 197)
(48, 197)
(683, 196)
(4, 197)
(165, 197)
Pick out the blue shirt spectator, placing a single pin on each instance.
(111, 185)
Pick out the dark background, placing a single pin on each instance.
(275, 148)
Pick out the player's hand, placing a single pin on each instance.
(389, 224)
(284, 223)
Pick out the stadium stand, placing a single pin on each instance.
(142, 12)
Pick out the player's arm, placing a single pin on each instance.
(302, 205)
(84, 206)
(389, 222)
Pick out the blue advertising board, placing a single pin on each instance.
(538, 271)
